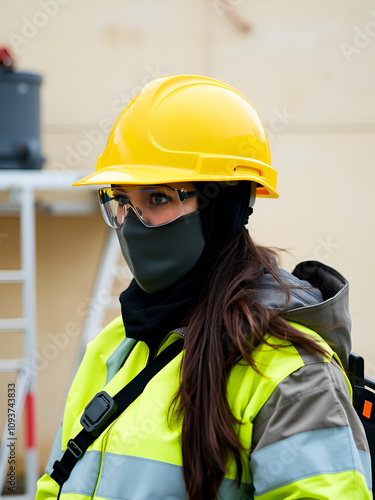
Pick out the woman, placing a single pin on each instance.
(257, 404)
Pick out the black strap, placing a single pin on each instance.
(364, 400)
(103, 410)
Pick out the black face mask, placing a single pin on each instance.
(224, 211)
(159, 256)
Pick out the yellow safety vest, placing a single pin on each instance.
(300, 432)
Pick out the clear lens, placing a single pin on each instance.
(154, 206)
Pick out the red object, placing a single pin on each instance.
(6, 60)
(367, 407)
(30, 420)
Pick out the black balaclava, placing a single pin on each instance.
(224, 211)
(158, 257)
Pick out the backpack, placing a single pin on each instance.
(364, 400)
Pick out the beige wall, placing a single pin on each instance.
(308, 67)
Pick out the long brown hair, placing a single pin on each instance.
(227, 326)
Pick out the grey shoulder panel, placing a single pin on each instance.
(314, 397)
(308, 357)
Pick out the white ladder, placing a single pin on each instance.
(24, 401)
(21, 186)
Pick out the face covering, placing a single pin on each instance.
(148, 317)
(160, 256)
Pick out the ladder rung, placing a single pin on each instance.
(12, 276)
(11, 365)
(12, 324)
(9, 208)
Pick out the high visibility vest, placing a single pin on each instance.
(301, 435)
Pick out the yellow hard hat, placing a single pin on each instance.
(186, 128)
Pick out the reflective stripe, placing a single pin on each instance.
(117, 358)
(323, 451)
(84, 475)
(133, 478)
(56, 452)
(307, 356)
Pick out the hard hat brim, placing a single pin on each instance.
(141, 175)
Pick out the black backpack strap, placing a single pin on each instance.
(364, 400)
(102, 410)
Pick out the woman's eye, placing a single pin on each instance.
(122, 200)
(159, 198)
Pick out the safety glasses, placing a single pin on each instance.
(154, 205)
